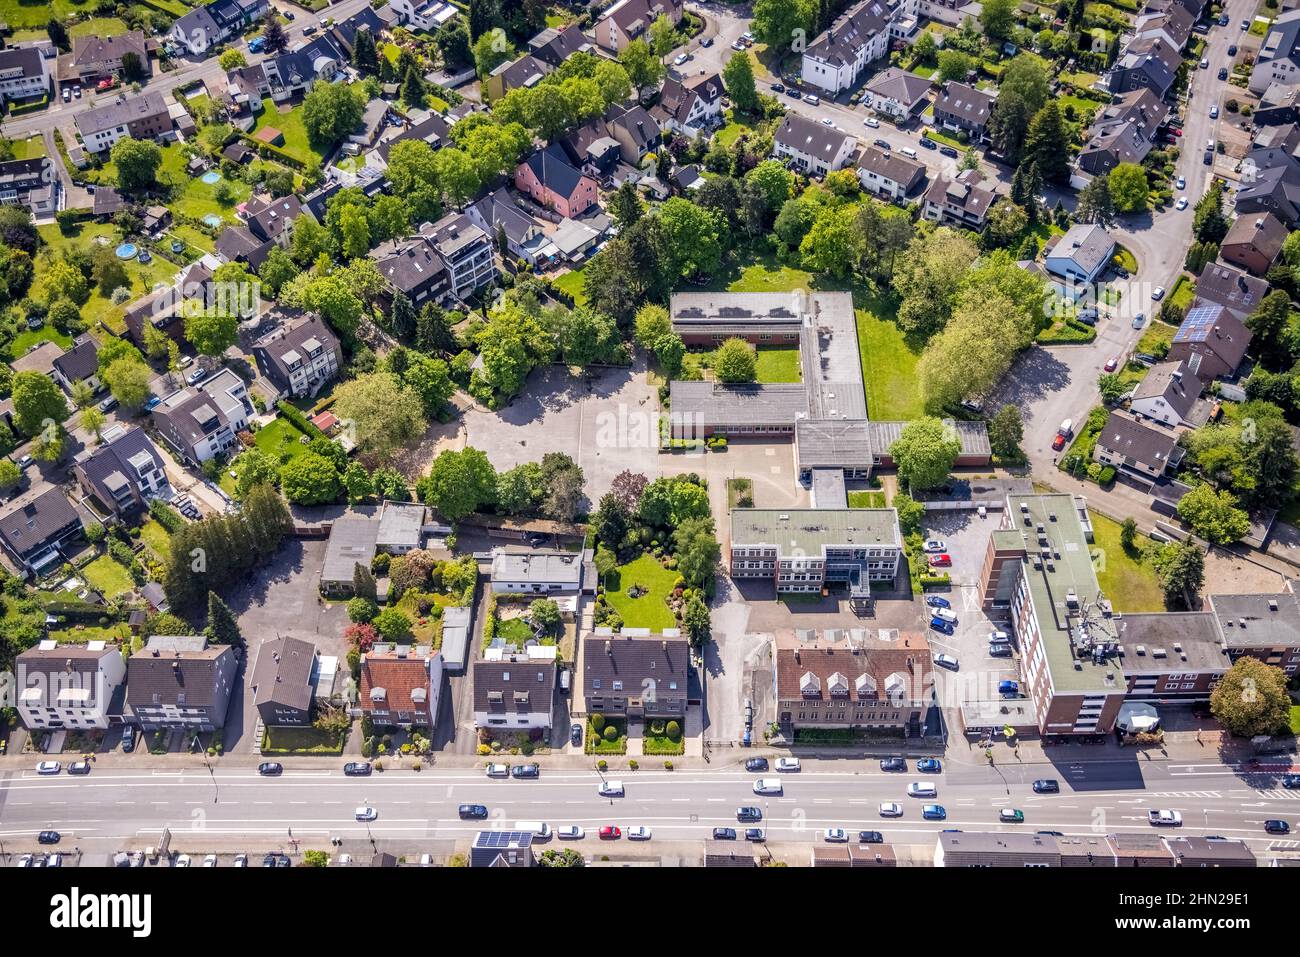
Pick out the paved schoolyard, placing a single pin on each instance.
(607, 424)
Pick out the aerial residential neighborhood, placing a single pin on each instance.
(650, 433)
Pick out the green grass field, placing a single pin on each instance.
(888, 362)
(108, 578)
(23, 342)
(649, 610)
(155, 537)
(1156, 333)
(571, 282)
(296, 143)
(1126, 580)
(866, 499)
(31, 148)
(279, 439)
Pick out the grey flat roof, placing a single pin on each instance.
(811, 529)
(834, 443)
(828, 488)
(1258, 620)
(352, 542)
(716, 404)
(829, 355)
(562, 567)
(690, 310)
(400, 523)
(1170, 642)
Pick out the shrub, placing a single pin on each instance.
(602, 764)
(632, 764)
(597, 722)
(362, 610)
(610, 733)
(673, 730)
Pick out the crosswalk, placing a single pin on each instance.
(1276, 794)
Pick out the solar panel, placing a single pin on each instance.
(502, 838)
(1198, 324)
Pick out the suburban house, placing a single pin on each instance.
(628, 20)
(498, 214)
(550, 180)
(1123, 132)
(24, 74)
(502, 849)
(412, 267)
(431, 129)
(961, 201)
(205, 27)
(524, 73)
(289, 74)
(1149, 62)
(855, 683)
(27, 182)
(73, 687)
(689, 108)
(427, 15)
(122, 474)
(1138, 450)
(1273, 187)
(636, 673)
(143, 117)
(70, 686)
(515, 693)
(536, 572)
(353, 541)
(79, 364)
(96, 57)
(400, 685)
(1279, 56)
(379, 21)
(34, 529)
(896, 94)
(164, 310)
(1253, 242)
(811, 147)
(39, 358)
(888, 175)
(1211, 342)
(1081, 255)
(284, 681)
(634, 130)
(1172, 22)
(1236, 290)
(180, 683)
(1170, 395)
(963, 108)
(300, 356)
(808, 549)
(836, 57)
(200, 422)
(554, 45)
(443, 260)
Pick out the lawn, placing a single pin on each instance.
(774, 363)
(648, 610)
(1295, 719)
(1126, 580)
(108, 578)
(1183, 293)
(888, 362)
(572, 283)
(301, 741)
(31, 148)
(29, 17)
(596, 743)
(866, 499)
(1156, 333)
(23, 342)
(156, 538)
(290, 124)
(1126, 259)
(280, 440)
(513, 631)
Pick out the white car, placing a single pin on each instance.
(26, 861)
(1158, 293)
(183, 861)
(922, 789)
(812, 98)
(1214, 112)
(936, 545)
(1182, 203)
(872, 122)
(788, 764)
(836, 835)
(610, 789)
(184, 362)
(737, 45)
(195, 377)
(891, 809)
(53, 860)
(946, 661)
(680, 59)
(947, 614)
(241, 860)
(210, 861)
(998, 637)
(827, 121)
(498, 770)
(1165, 818)
(570, 832)
(639, 833)
(49, 767)
(366, 813)
(1180, 182)
(344, 860)
(768, 786)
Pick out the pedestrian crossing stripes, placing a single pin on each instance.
(1186, 794)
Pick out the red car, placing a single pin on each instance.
(610, 833)
(104, 84)
(1111, 364)
(1058, 443)
(943, 560)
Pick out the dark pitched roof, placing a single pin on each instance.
(514, 685)
(433, 130)
(1172, 382)
(639, 662)
(79, 362)
(553, 170)
(1217, 328)
(906, 88)
(29, 526)
(812, 139)
(1149, 445)
(268, 218)
(839, 44)
(118, 461)
(637, 121)
(966, 102)
(554, 46)
(891, 166)
(88, 50)
(1232, 288)
(409, 264)
(28, 59)
(312, 333)
(284, 672)
(170, 666)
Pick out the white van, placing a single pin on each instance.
(538, 829)
(1067, 428)
(922, 789)
(564, 680)
(908, 151)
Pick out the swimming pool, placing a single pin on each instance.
(210, 177)
(213, 220)
(126, 251)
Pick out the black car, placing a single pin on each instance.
(48, 837)
(754, 834)
(1051, 833)
(756, 764)
(778, 88)
(526, 771)
(893, 764)
(275, 860)
(1232, 50)
(356, 769)
(884, 145)
(128, 741)
(575, 734)
(707, 42)
(1291, 781)
(949, 151)
(270, 767)
(794, 94)
(724, 833)
(1223, 73)
(870, 837)
(748, 814)
(1047, 786)
(1275, 826)
(470, 812)
(929, 143)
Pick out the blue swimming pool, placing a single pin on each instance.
(213, 220)
(126, 251)
(210, 177)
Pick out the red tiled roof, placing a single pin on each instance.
(398, 677)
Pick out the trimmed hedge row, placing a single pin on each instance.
(291, 413)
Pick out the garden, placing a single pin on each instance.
(304, 740)
(605, 735)
(662, 736)
(296, 143)
(1124, 574)
(639, 592)
(281, 439)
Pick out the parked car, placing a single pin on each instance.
(1182, 203)
(498, 770)
(812, 98)
(949, 151)
(936, 545)
(27, 860)
(737, 45)
(934, 812)
(1291, 781)
(1047, 786)
(937, 601)
(756, 764)
(1180, 182)
(1245, 24)
(48, 837)
(999, 649)
(724, 833)
(366, 813)
(938, 624)
(778, 87)
(893, 764)
(929, 765)
(788, 764)
(241, 860)
(1214, 112)
(107, 405)
(891, 809)
(1111, 364)
(946, 661)
(754, 834)
(1011, 815)
(940, 561)
(210, 861)
(575, 734)
(183, 861)
(928, 143)
(1009, 689)
(526, 771)
(681, 58)
(195, 377)
(1223, 73)
(356, 769)
(947, 614)
(49, 767)
(1058, 442)
(1139, 320)
(1164, 818)
(473, 812)
(1277, 826)
(56, 860)
(67, 94)
(768, 786)
(570, 832)
(707, 42)
(270, 767)
(79, 767)
(872, 122)
(835, 835)
(610, 789)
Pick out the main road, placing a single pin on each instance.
(112, 810)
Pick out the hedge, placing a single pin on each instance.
(291, 413)
(30, 106)
(166, 516)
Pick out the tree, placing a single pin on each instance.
(925, 452)
(454, 46)
(1209, 224)
(625, 206)
(223, 626)
(393, 625)
(832, 242)
(384, 414)
(10, 474)
(1251, 699)
(612, 79)
(58, 34)
(566, 857)
(354, 228)
(738, 80)
(545, 614)
(256, 468)
(137, 162)
(693, 238)
(232, 59)
(663, 35)
(1128, 535)
(38, 402)
(211, 332)
(928, 277)
(652, 324)
(1047, 143)
(92, 420)
(274, 37)
(311, 480)
(490, 51)
(998, 18)
(413, 90)
(1112, 388)
(1128, 187)
(431, 381)
(643, 67)
(330, 111)
(1006, 430)
(1213, 515)
(696, 618)
(735, 361)
(483, 16)
(781, 23)
(1006, 222)
(364, 55)
(1267, 325)
(1180, 568)
(955, 65)
(696, 546)
(460, 482)
(1095, 203)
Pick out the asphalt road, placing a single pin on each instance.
(120, 810)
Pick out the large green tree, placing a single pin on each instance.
(1251, 699)
(738, 79)
(925, 452)
(459, 482)
(137, 163)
